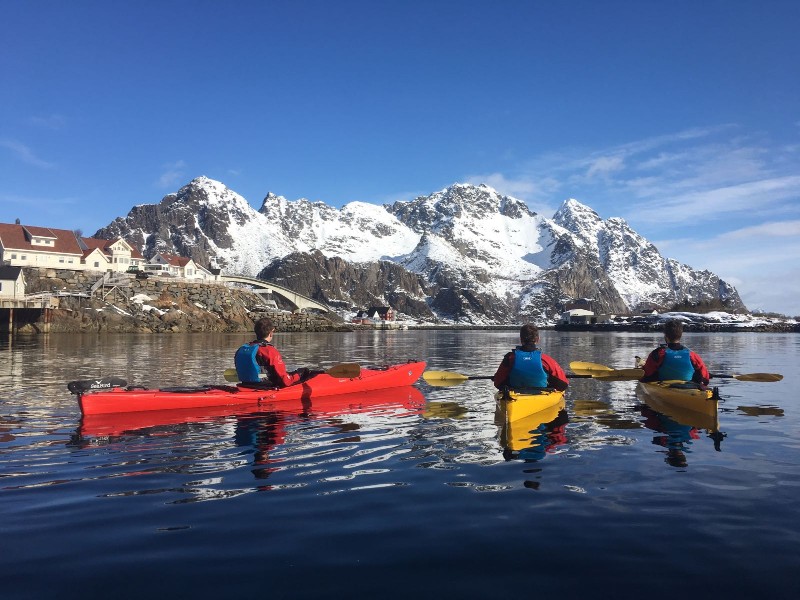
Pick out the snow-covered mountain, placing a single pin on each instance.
(465, 253)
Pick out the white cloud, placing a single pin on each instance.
(771, 230)
(53, 121)
(25, 154)
(605, 165)
(173, 175)
(760, 196)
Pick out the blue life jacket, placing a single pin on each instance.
(247, 367)
(677, 364)
(528, 371)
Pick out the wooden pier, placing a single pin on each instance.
(16, 312)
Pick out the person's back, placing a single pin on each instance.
(673, 361)
(526, 366)
(261, 357)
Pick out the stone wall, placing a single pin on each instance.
(161, 305)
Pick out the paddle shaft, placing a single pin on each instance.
(341, 370)
(759, 377)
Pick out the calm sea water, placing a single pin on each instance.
(417, 492)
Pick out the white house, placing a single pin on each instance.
(12, 282)
(27, 246)
(46, 247)
(109, 255)
(178, 266)
(577, 315)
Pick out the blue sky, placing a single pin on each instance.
(682, 117)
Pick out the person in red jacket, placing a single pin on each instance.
(673, 360)
(260, 356)
(528, 367)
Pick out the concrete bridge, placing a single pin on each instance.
(265, 287)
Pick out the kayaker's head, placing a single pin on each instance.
(529, 335)
(673, 331)
(264, 328)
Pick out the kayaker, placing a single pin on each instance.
(260, 356)
(673, 360)
(528, 367)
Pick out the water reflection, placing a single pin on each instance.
(532, 437)
(759, 411)
(334, 430)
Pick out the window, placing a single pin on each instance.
(97, 264)
(13, 256)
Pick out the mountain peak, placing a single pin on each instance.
(572, 209)
(480, 255)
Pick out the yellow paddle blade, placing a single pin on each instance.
(619, 375)
(764, 377)
(579, 365)
(344, 370)
(443, 378)
(230, 375)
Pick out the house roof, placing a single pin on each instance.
(175, 260)
(105, 246)
(9, 273)
(18, 237)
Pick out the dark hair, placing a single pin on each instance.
(673, 330)
(529, 334)
(263, 327)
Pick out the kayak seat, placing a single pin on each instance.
(532, 390)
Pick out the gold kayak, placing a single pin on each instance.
(686, 404)
(519, 416)
(518, 405)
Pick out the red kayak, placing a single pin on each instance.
(408, 399)
(115, 396)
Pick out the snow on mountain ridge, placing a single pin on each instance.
(481, 252)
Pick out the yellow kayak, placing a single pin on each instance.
(684, 402)
(518, 405)
(520, 416)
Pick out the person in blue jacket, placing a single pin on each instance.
(673, 360)
(260, 356)
(528, 367)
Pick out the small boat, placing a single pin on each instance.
(114, 396)
(517, 405)
(684, 401)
